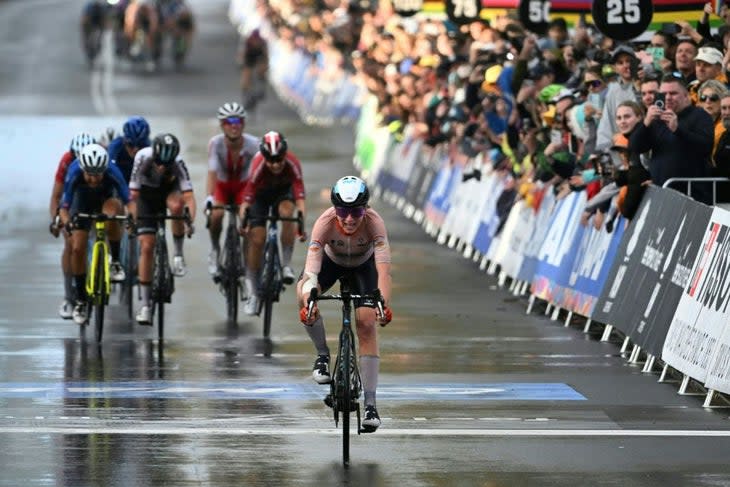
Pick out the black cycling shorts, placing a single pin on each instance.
(362, 279)
(259, 210)
(152, 201)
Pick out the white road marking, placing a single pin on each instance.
(142, 429)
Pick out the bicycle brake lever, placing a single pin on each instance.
(310, 302)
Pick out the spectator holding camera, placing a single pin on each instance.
(679, 135)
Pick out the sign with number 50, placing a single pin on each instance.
(622, 19)
(535, 15)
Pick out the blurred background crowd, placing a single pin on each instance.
(570, 108)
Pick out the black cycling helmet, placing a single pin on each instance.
(165, 148)
(349, 192)
(273, 146)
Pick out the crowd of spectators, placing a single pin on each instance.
(571, 108)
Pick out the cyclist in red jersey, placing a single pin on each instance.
(229, 160)
(275, 180)
(78, 142)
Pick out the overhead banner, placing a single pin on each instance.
(698, 336)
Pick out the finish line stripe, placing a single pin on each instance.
(497, 433)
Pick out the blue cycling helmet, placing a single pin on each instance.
(136, 131)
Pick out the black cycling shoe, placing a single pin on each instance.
(372, 421)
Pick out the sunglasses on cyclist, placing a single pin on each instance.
(275, 160)
(709, 97)
(594, 83)
(233, 121)
(356, 212)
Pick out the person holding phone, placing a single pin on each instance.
(679, 136)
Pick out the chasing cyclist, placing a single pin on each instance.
(349, 240)
(78, 142)
(253, 57)
(275, 181)
(92, 186)
(135, 136)
(160, 181)
(229, 160)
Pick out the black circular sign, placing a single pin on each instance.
(622, 20)
(407, 8)
(463, 11)
(535, 15)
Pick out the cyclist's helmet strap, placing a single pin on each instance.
(94, 159)
(349, 192)
(165, 148)
(231, 109)
(273, 146)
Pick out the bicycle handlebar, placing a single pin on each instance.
(376, 296)
(275, 218)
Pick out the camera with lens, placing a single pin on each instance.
(605, 166)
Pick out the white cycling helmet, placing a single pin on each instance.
(231, 109)
(94, 159)
(79, 141)
(349, 192)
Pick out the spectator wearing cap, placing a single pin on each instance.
(680, 137)
(708, 65)
(710, 94)
(623, 89)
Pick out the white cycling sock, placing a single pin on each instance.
(369, 366)
(319, 337)
(286, 253)
(145, 290)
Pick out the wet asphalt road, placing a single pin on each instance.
(472, 390)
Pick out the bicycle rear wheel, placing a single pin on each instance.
(160, 320)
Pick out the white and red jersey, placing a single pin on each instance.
(347, 250)
(230, 166)
(262, 179)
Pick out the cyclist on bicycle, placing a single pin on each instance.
(349, 240)
(253, 57)
(142, 14)
(229, 160)
(176, 19)
(78, 142)
(275, 181)
(160, 181)
(135, 136)
(92, 185)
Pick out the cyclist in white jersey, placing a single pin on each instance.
(160, 181)
(229, 161)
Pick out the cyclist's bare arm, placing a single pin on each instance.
(56, 194)
(189, 201)
(210, 182)
(384, 280)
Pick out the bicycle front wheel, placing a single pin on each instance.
(232, 300)
(344, 398)
(99, 298)
(268, 310)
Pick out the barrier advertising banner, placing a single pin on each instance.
(542, 225)
(515, 236)
(558, 251)
(630, 287)
(593, 262)
(439, 198)
(651, 326)
(698, 340)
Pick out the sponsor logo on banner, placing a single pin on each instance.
(532, 247)
(699, 327)
(556, 255)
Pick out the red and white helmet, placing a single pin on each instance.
(273, 146)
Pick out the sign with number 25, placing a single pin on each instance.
(622, 19)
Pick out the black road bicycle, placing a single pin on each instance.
(230, 262)
(346, 386)
(271, 282)
(163, 281)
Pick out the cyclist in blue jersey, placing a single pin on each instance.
(92, 185)
(135, 136)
